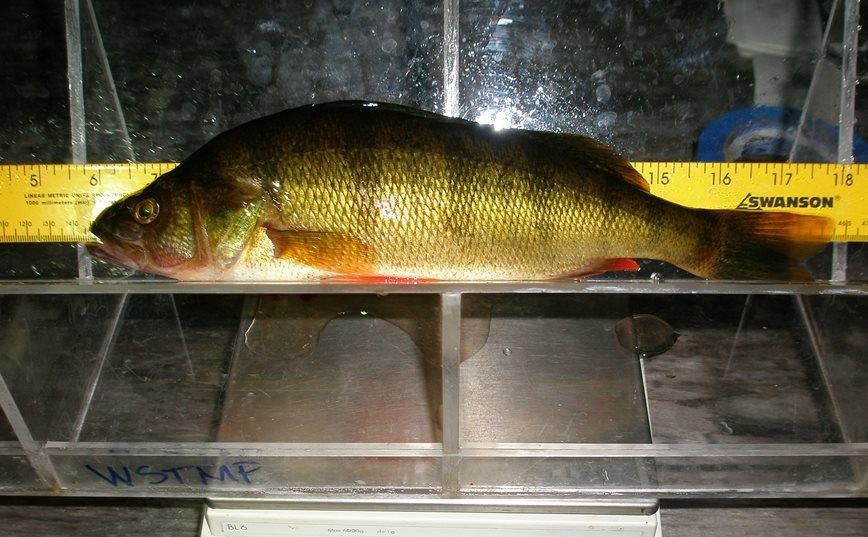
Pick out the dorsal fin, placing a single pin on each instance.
(388, 107)
(591, 153)
(596, 156)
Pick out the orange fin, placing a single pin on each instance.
(763, 245)
(623, 264)
(325, 250)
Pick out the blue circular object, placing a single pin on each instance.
(768, 133)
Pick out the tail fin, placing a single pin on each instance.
(766, 245)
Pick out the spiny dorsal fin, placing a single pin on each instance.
(596, 156)
(387, 107)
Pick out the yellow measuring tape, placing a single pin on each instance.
(58, 202)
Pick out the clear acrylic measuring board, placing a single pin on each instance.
(436, 394)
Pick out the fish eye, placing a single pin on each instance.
(145, 211)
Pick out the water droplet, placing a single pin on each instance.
(270, 26)
(604, 93)
(645, 335)
(187, 111)
(606, 119)
(507, 351)
(388, 45)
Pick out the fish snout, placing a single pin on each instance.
(110, 225)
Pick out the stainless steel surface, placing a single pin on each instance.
(725, 382)
(553, 371)
(335, 369)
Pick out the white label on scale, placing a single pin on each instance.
(297, 523)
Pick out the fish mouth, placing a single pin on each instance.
(103, 252)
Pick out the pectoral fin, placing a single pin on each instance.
(331, 251)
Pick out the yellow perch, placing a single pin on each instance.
(362, 190)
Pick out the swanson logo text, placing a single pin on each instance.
(758, 203)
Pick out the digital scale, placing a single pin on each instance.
(438, 518)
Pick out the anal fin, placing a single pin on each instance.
(622, 264)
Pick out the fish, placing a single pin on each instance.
(372, 191)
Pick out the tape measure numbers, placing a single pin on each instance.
(834, 190)
(58, 202)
